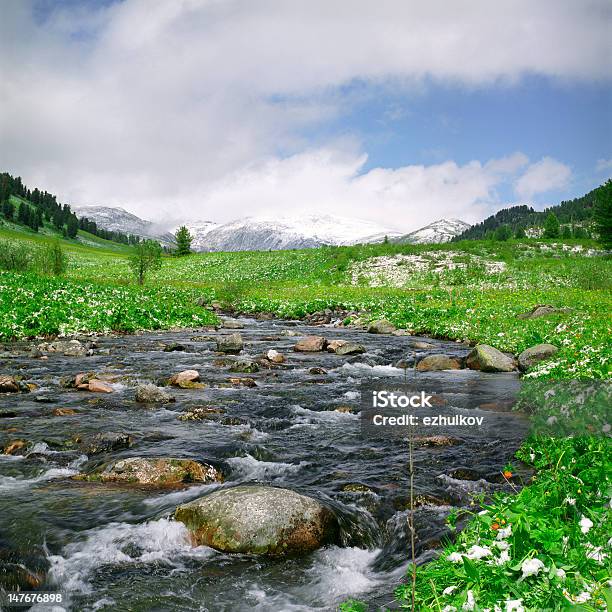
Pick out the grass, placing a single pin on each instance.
(547, 560)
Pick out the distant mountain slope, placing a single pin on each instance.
(120, 220)
(303, 232)
(576, 211)
(442, 230)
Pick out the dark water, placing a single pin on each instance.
(116, 548)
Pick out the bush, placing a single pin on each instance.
(15, 257)
(52, 259)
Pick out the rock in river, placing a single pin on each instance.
(231, 343)
(159, 471)
(488, 359)
(260, 520)
(434, 363)
(529, 357)
(150, 394)
(345, 347)
(311, 344)
(8, 384)
(244, 366)
(382, 326)
(187, 379)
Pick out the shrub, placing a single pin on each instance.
(15, 257)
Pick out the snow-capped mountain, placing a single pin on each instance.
(442, 230)
(262, 234)
(120, 220)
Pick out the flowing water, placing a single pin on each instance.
(111, 547)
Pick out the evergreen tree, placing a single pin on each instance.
(551, 226)
(72, 226)
(566, 232)
(503, 233)
(603, 214)
(183, 241)
(579, 232)
(519, 234)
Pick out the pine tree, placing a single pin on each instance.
(519, 234)
(603, 214)
(503, 233)
(551, 226)
(183, 241)
(566, 232)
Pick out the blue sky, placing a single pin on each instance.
(400, 112)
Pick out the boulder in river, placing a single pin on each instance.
(15, 447)
(8, 384)
(231, 324)
(421, 345)
(534, 354)
(68, 348)
(201, 413)
(230, 343)
(105, 442)
(381, 326)
(259, 520)
(310, 344)
(435, 363)
(151, 394)
(244, 366)
(488, 359)
(187, 379)
(99, 386)
(345, 347)
(275, 357)
(158, 471)
(243, 382)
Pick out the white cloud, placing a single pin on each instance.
(545, 175)
(603, 165)
(155, 104)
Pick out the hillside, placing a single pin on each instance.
(576, 213)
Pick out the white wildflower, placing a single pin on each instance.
(455, 557)
(570, 500)
(551, 420)
(449, 590)
(449, 609)
(478, 552)
(582, 597)
(560, 573)
(606, 428)
(585, 524)
(501, 544)
(470, 602)
(531, 567)
(514, 605)
(504, 533)
(595, 553)
(504, 557)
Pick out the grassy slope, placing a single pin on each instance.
(458, 304)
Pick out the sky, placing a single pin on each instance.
(396, 111)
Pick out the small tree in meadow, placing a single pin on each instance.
(551, 226)
(146, 257)
(602, 213)
(183, 241)
(566, 232)
(53, 259)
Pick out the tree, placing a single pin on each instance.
(72, 226)
(183, 241)
(53, 259)
(579, 232)
(519, 234)
(602, 214)
(551, 226)
(146, 256)
(566, 232)
(503, 233)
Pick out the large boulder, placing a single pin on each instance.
(345, 347)
(534, 354)
(435, 363)
(158, 471)
(244, 366)
(311, 344)
(103, 442)
(275, 357)
(8, 384)
(69, 348)
(231, 324)
(187, 379)
(99, 386)
(151, 394)
(382, 326)
(259, 520)
(488, 359)
(230, 343)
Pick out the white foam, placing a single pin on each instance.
(378, 371)
(251, 468)
(9, 483)
(121, 543)
(178, 497)
(306, 416)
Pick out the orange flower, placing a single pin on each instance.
(507, 474)
(495, 526)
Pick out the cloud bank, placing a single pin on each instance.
(197, 107)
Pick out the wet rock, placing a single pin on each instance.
(151, 394)
(421, 345)
(231, 324)
(68, 348)
(8, 384)
(356, 487)
(63, 412)
(488, 359)
(290, 333)
(232, 343)
(542, 310)
(43, 399)
(157, 471)
(99, 386)
(187, 379)
(104, 442)
(259, 520)
(174, 347)
(437, 440)
(7, 414)
(345, 347)
(540, 352)
(201, 413)
(311, 344)
(434, 363)
(275, 356)
(243, 382)
(382, 326)
(344, 410)
(244, 366)
(317, 371)
(405, 363)
(465, 474)
(233, 421)
(15, 447)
